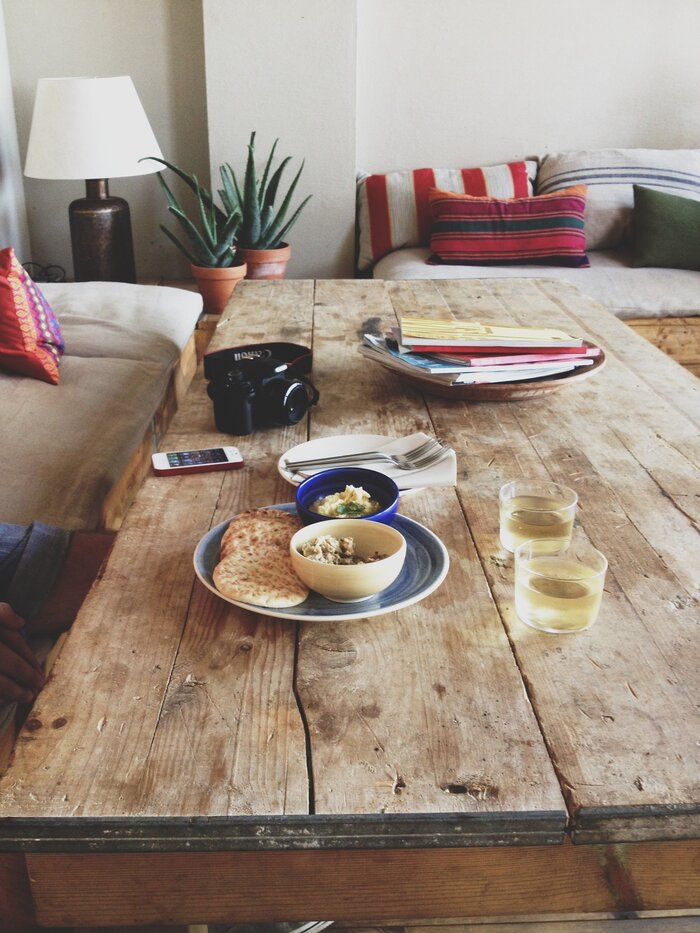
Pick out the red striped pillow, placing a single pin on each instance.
(548, 229)
(394, 210)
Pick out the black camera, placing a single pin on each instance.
(252, 393)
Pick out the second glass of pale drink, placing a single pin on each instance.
(559, 585)
(531, 509)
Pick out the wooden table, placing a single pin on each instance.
(190, 761)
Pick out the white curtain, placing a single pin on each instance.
(13, 214)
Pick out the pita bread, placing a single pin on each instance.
(255, 566)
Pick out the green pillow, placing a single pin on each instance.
(665, 230)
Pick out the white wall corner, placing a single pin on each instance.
(288, 71)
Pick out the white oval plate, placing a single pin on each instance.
(424, 569)
(329, 447)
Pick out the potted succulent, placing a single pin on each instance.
(261, 238)
(210, 244)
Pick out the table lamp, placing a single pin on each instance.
(93, 129)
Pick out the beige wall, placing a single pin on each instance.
(454, 83)
(287, 69)
(159, 44)
(357, 84)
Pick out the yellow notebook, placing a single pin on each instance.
(424, 330)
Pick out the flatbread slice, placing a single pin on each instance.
(255, 566)
(250, 529)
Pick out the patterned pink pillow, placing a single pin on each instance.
(394, 210)
(30, 337)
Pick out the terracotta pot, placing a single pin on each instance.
(266, 263)
(216, 284)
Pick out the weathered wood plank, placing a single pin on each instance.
(635, 508)
(679, 337)
(230, 739)
(458, 736)
(187, 888)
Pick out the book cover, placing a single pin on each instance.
(431, 334)
(487, 359)
(457, 373)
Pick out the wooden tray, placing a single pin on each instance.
(502, 391)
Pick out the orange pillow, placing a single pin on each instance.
(30, 337)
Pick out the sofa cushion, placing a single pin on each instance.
(72, 442)
(611, 280)
(31, 342)
(393, 209)
(509, 231)
(666, 230)
(124, 321)
(610, 175)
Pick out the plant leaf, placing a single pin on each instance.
(250, 232)
(195, 237)
(171, 236)
(229, 194)
(280, 235)
(271, 192)
(275, 230)
(268, 165)
(189, 180)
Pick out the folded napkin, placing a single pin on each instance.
(442, 473)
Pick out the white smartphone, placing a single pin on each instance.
(176, 462)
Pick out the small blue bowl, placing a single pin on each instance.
(382, 489)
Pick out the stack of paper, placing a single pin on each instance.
(459, 353)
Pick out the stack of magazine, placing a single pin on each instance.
(469, 353)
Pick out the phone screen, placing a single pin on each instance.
(184, 458)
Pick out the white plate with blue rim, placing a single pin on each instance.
(424, 569)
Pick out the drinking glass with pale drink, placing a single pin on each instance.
(535, 509)
(559, 577)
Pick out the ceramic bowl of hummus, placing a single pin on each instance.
(347, 493)
(347, 559)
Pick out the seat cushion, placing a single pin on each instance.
(123, 321)
(611, 280)
(72, 441)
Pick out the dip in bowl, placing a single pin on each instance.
(328, 495)
(381, 548)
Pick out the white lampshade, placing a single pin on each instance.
(89, 128)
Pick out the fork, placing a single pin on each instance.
(411, 460)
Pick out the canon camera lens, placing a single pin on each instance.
(286, 402)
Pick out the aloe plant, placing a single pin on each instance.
(210, 242)
(262, 227)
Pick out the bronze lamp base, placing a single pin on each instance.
(100, 233)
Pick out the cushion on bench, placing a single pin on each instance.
(71, 454)
(626, 291)
(123, 321)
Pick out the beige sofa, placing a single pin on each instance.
(662, 304)
(74, 453)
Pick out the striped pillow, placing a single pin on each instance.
(509, 231)
(393, 209)
(609, 175)
(30, 336)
